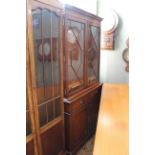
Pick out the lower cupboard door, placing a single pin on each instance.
(78, 128)
(30, 148)
(52, 140)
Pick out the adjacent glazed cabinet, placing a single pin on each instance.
(81, 75)
(81, 49)
(45, 108)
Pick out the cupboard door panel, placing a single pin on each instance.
(28, 124)
(30, 148)
(93, 100)
(52, 140)
(78, 128)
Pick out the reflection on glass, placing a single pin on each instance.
(42, 114)
(57, 107)
(93, 52)
(51, 111)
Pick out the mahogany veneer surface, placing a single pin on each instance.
(30, 148)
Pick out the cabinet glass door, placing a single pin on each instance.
(93, 54)
(75, 54)
(46, 35)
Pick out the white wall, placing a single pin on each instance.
(112, 66)
(88, 5)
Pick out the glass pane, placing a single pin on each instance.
(95, 34)
(46, 36)
(57, 108)
(93, 55)
(50, 111)
(47, 46)
(75, 41)
(42, 114)
(56, 54)
(38, 48)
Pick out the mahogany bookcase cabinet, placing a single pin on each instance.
(61, 44)
(81, 76)
(44, 59)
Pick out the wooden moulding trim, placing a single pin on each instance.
(50, 100)
(80, 17)
(80, 11)
(87, 89)
(30, 43)
(62, 84)
(37, 142)
(61, 73)
(29, 138)
(81, 94)
(54, 3)
(37, 4)
(72, 16)
(51, 124)
(69, 14)
(78, 110)
(29, 79)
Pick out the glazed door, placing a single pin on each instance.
(46, 69)
(93, 54)
(74, 46)
(46, 38)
